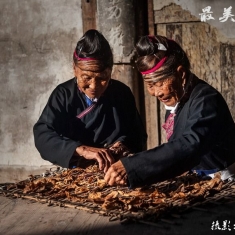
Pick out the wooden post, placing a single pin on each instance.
(89, 10)
(151, 103)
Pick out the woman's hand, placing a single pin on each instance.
(101, 155)
(119, 150)
(116, 174)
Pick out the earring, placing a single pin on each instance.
(183, 78)
(183, 85)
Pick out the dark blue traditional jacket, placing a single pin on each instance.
(58, 132)
(203, 138)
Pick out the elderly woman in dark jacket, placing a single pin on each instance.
(87, 114)
(199, 127)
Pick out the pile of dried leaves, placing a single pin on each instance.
(86, 189)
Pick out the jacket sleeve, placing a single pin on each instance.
(203, 129)
(49, 131)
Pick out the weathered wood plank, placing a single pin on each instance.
(21, 217)
(228, 74)
(126, 74)
(151, 28)
(173, 13)
(151, 104)
(89, 11)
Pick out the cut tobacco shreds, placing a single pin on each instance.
(86, 189)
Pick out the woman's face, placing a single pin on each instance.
(169, 90)
(93, 84)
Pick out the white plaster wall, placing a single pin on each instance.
(227, 28)
(37, 39)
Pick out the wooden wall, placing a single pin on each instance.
(211, 60)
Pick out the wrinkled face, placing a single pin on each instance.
(93, 84)
(169, 90)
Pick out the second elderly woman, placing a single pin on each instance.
(199, 127)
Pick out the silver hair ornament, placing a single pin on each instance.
(161, 47)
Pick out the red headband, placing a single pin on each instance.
(151, 38)
(156, 67)
(79, 58)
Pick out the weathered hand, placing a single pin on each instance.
(101, 155)
(119, 150)
(116, 174)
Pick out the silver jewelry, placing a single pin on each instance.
(161, 47)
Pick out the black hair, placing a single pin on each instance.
(94, 45)
(151, 49)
